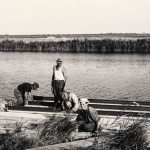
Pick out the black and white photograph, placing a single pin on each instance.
(74, 74)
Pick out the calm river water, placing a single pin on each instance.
(101, 76)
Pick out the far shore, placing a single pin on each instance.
(77, 43)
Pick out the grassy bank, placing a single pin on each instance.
(99, 44)
(51, 131)
(131, 134)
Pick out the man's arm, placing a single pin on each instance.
(30, 95)
(64, 74)
(74, 98)
(53, 77)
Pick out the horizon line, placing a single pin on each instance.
(78, 33)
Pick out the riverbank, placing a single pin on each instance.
(100, 43)
(25, 127)
(77, 36)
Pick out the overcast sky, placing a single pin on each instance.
(74, 16)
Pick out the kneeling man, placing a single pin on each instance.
(70, 102)
(87, 118)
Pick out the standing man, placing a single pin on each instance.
(23, 92)
(58, 82)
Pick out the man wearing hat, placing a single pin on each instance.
(88, 119)
(58, 82)
(23, 92)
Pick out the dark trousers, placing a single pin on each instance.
(58, 88)
(20, 97)
(86, 127)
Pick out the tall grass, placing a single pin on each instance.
(55, 130)
(52, 131)
(130, 135)
(18, 139)
(84, 46)
(133, 137)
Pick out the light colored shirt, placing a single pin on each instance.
(74, 99)
(58, 74)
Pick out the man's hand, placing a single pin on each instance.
(68, 111)
(30, 96)
(94, 133)
(52, 84)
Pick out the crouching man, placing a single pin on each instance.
(87, 119)
(23, 93)
(70, 102)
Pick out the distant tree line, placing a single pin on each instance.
(83, 46)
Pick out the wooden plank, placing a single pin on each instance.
(38, 98)
(104, 107)
(122, 113)
(125, 102)
(67, 146)
(30, 108)
(43, 103)
(35, 97)
(99, 105)
(121, 107)
(100, 112)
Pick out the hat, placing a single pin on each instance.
(58, 60)
(84, 100)
(36, 85)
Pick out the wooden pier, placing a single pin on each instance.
(104, 107)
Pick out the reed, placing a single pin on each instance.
(131, 135)
(80, 46)
(52, 131)
(55, 130)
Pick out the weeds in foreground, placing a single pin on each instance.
(17, 139)
(133, 137)
(129, 136)
(52, 131)
(55, 130)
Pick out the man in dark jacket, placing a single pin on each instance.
(88, 119)
(23, 92)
